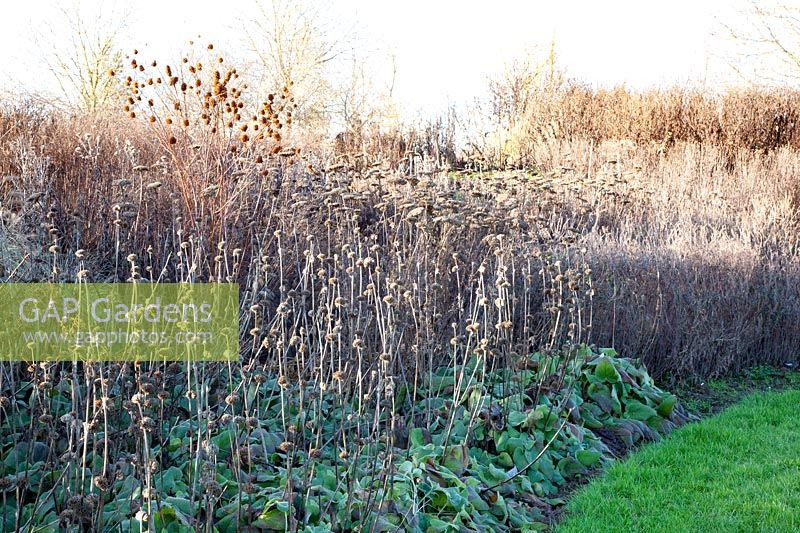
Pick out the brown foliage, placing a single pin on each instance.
(752, 119)
(693, 243)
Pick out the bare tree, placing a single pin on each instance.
(763, 43)
(524, 77)
(515, 94)
(293, 42)
(363, 95)
(82, 61)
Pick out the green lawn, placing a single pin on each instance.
(739, 471)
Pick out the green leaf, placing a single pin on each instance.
(457, 459)
(589, 420)
(459, 431)
(542, 417)
(608, 352)
(547, 468)
(224, 441)
(175, 444)
(326, 476)
(182, 505)
(170, 520)
(667, 405)
(274, 518)
(516, 418)
(417, 437)
(500, 508)
(639, 411)
(501, 441)
(478, 503)
(569, 467)
(520, 458)
(164, 517)
(606, 371)
(477, 400)
(606, 400)
(171, 481)
(438, 498)
(490, 474)
(588, 457)
(439, 526)
(505, 460)
(515, 443)
(442, 382)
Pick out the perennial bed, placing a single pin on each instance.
(482, 450)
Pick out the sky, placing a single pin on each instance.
(442, 51)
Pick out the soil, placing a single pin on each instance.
(708, 398)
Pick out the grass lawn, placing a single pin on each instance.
(739, 471)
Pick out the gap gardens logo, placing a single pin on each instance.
(119, 321)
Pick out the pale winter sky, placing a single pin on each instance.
(443, 50)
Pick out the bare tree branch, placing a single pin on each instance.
(770, 32)
(81, 68)
(293, 44)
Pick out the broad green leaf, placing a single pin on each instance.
(516, 418)
(608, 352)
(417, 438)
(606, 400)
(588, 457)
(457, 459)
(170, 481)
(436, 525)
(505, 460)
(520, 458)
(639, 411)
(272, 518)
(606, 371)
(570, 467)
(667, 405)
